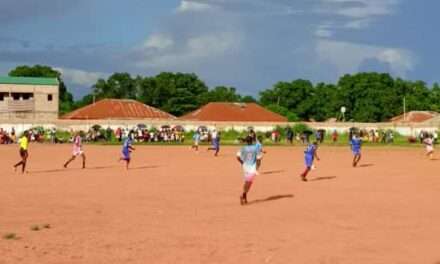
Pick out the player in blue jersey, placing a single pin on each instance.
(356, 145)
(248, 156)
(126, 150)
(215, 141)
(196, 141)
(309, 156)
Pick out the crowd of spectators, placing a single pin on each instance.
(137, 134)
(176, 134)
(7, 137)
(374, 135)
(10, 137)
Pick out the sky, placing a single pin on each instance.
(248, 44)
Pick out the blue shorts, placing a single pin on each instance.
(356, 152)
(309, 161)
(125, 155)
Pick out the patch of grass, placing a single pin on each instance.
(10, 236)
(35, 228)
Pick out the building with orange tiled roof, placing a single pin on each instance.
(233, 112)
(117, 109)
(415, 117)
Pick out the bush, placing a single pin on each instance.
(63, 136)
(291, 116)
(231, 134)
(301, 128)
(281, 130)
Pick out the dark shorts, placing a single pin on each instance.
(23, 153)
(216, 145)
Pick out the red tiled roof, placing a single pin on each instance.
(415, 116)
(234, 112)
(117, 109)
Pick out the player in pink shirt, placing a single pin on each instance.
(77, 151)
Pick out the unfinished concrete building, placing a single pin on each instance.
(28, 98)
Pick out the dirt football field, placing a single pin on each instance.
(177, 206)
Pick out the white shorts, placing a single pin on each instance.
(429, 149)
(249, 176)
(77, 153)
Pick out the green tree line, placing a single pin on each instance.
(368, 97)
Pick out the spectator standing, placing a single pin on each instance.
(335, 136)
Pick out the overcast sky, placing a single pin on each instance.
(249, 44)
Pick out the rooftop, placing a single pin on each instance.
(28, 80)
(117, 109)
(415, 116)
(234, 112)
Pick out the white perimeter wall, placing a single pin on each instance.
(76, 125)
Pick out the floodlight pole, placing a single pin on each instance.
(343, 110)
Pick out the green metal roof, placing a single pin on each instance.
(28, 80)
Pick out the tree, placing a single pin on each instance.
(291, 117)
(248, 99)
(368, 97)
(326, 103)
(117, 86)
(65, 97)
(296, 96)
(435, 98)
(221, 94)
(185, 92)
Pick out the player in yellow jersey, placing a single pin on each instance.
(23, 142)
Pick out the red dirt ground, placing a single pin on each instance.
(177, 206)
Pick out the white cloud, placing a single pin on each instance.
(347, 56)
(159, 41)
(370, 8)
(363, 8)
(191, 6)
(323, 31)
(191, 51)
(399, 59)
(357, 24)
(80, 77)
(357, 14)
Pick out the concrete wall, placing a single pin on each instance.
(406, 129)
(38, 108)
(75, 125)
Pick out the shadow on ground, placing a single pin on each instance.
(102, 167)
(272, 172)
(51, 171)
(91, 168)
(144, 167)
(323, 178)
(366, 165)
(271, 198)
